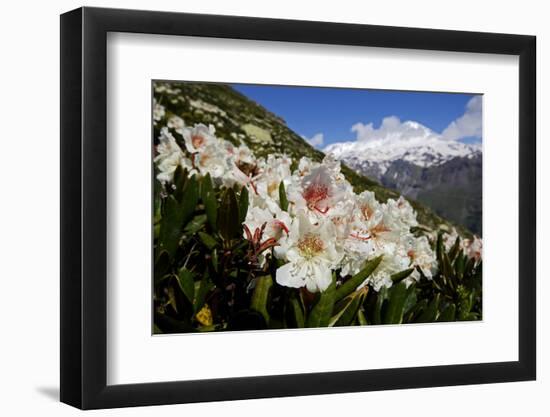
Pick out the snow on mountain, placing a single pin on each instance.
(411, 142)
(408, 157)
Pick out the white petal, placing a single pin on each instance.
(311, 285)
(286, 278)
(323, 276)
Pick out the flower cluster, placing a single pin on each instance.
(472, 248)
(309, 218)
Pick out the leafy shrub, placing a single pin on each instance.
(207, 276)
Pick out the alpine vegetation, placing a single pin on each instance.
(246, 242)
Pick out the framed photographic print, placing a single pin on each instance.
(258, 208)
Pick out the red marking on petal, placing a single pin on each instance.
(282, 225)
(314, 194)
(323, 211)
(247, 231)
(356, 236)
(257, 234)
(269, 243)
(253, 186)
(197, 141)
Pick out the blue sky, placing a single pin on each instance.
(333, 111)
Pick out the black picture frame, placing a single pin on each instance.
(84, 207)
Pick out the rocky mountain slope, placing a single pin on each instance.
(239, 119)
(444, 175)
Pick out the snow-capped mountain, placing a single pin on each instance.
(419, 163)
(413, 143)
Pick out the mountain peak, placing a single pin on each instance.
(419, 163)
(412, 142)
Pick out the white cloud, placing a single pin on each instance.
(316, 140)
(467, 125)
(392, 130)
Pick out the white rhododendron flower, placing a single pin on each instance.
(449, 239)
(158, 111)
(275, 225)
(311, 255)
(266, 226)
(421, 255)
(352, 232)
(169, 156)
(474, 248)
(326, 229)
(399, 216)
(275, 171)
(394, 260)
(319, 190)
(357, 251)
(243, 155)
(176, 123)
(199, 137)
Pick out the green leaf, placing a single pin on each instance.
(180, 181)
(297, 313)
(340, 309)
(208, 197)
(411, 300)
(448, 314)
(176, 215)
(396, 304)
(465, 302)
(195, 224)
(415, 310)
(400, 276)
(478, 271)
(351, 284)
(215, 260)
(228, 216)
(208, 240)
(459, 264)
(162, 265)
(469, 268)
(243, 204)
(161, 278)
(206, 186)
(190, 199)
(261, 295)
(379, 304)
(211, 209)
(446, 265)
(187, 283)
(346, 316)
(170, 227)
(178, 299)
(157, 212)
(454, 249)
(361, 318)
(283, 200)
(200, 294)
(322, 310)
(439, 245)
(429, 315)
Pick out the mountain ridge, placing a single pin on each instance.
(414, 143)
(443, 174)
